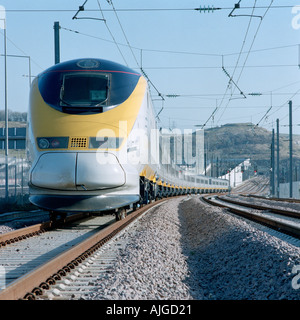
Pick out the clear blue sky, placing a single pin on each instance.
(182, 52)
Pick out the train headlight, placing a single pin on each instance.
(43, 143)
(53, 142)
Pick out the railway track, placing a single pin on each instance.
(272, 199)
(80, 282)
(45, 260)
(256, 185)
(23, 233)
(281, 219)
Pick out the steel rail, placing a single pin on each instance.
(282, 226)
(271, 199)
(288, 213)
(33, 283)
(23, 233)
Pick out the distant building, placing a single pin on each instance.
(16, 138)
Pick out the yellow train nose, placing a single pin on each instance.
(77, 171)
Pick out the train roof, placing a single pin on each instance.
(117, 83)
(91, 64)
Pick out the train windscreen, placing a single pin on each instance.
(84, 89)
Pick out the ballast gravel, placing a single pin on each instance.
(185, 249)
(5, 229)
(152, 265)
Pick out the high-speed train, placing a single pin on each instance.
(94, 142)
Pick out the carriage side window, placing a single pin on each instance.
(84, 90)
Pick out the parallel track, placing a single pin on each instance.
(272, 199)
(285, 221)
(36, 229)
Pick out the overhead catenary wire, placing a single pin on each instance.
(194, 67)
(252, 43)
(217, 108)
(271, 105)
(204, 54)
(136, 9)
(176, 52)
(254, 38)
(124, 34)
(183, 52)
(286, 103)
(230, 79)
(110, 32)
(244, 40)
(128, 44)
(21, 50)
(237, 62)
(119, 44)
(265, 115)
(81, 8)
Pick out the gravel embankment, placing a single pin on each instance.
(188, 250)
(228, 258)
(152, 265)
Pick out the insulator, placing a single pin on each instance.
(254, 94)
(207, 9)
(172, 95)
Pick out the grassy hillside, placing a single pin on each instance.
(234, 142)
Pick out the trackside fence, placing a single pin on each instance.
(14, 191)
